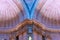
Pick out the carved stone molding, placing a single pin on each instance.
(26, 22)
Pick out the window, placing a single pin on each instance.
(30, 32)
(30, 38)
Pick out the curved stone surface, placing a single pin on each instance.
(9, 11)
(51, 11)
(48, 13)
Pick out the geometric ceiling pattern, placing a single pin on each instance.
(29, 20)
(30, 4)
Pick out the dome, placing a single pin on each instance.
(50, 11)
(9, 11)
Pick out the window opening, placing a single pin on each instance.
(30, 32)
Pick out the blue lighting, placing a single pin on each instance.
(29, 6)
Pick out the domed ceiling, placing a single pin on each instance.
(41, 16)
(12, 12)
